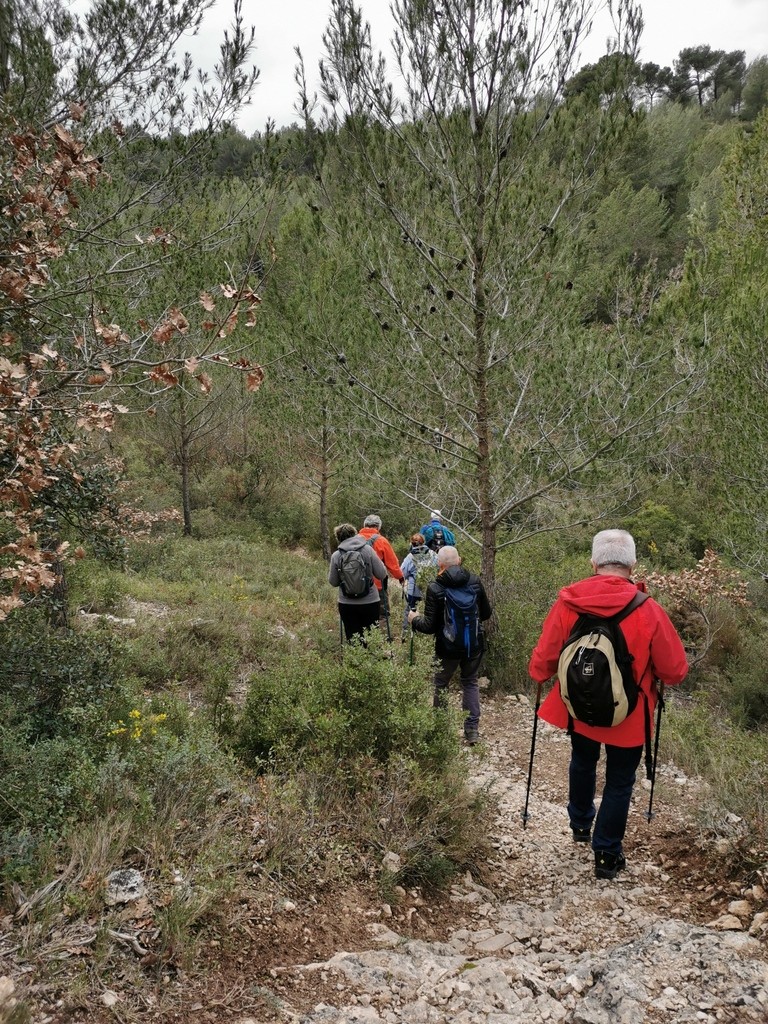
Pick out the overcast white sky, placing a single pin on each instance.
(281, 25)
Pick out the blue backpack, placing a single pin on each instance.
(461, 619)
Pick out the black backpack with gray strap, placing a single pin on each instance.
(355, 578)
(597, 683)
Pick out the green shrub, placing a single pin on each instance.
(290, 524)
(663, 537)
(44, 670)
(733, 763)
(529, 576)
(78, 740)
(360, 745)
(744, 682)
(95, 587)
(315, 710)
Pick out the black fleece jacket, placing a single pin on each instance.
(434, 607)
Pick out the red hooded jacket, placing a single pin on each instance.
(651, 638)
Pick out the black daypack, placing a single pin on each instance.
(595, 669)
(355, 577)
(461, 619)
(436, 539)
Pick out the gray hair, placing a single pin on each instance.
(344, 531)
(613, 547)
(448, 555)
(373, 520)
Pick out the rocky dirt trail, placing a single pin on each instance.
(534, 937)
(542, 940)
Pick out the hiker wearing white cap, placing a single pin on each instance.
(436, 535)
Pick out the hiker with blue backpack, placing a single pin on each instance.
(354, 569)
(436, 535)
(455, 607)
(414, 567)
(606, 642)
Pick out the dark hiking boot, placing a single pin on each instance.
(581, 835)
(471, 737)
(608, 865)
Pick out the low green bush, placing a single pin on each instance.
(665, 535)
(289, 523)
(529, 576)
(392, 772)
(44, 671)
(313, 710)
(96, 587)
(744, 681)
(732, 762)
(79, 739)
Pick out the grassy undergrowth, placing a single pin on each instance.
(215, 740)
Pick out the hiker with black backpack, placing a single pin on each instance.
(354, 569)
(435, 534)
(454, 608)
(607, 642)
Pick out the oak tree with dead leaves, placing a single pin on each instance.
(63, 359)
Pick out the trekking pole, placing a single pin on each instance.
(533, 747)
(410, 653)
(659, 709)
(385, 605)
(341, 634)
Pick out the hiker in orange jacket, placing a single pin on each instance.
(657, 653)
(385, 551)
(382, 547)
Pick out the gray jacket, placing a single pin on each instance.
(374, 563)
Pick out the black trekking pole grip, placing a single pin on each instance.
(659, 709)
(533, 747)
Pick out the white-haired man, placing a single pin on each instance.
(455, 606)
(435, 534)
(656, 652)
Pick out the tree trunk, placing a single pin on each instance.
(184, 460)
(325, 539)
(480, 327)
(59, 613)
(57, 596)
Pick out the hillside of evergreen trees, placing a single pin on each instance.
(527, 293)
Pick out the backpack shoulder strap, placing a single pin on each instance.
(636, 601)
(375, 537)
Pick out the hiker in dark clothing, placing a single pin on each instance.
(458, 644)
(358, 614)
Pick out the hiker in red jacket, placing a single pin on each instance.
(657, 654)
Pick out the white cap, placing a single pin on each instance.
(436, 513)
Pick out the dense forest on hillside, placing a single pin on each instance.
(526, 292)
